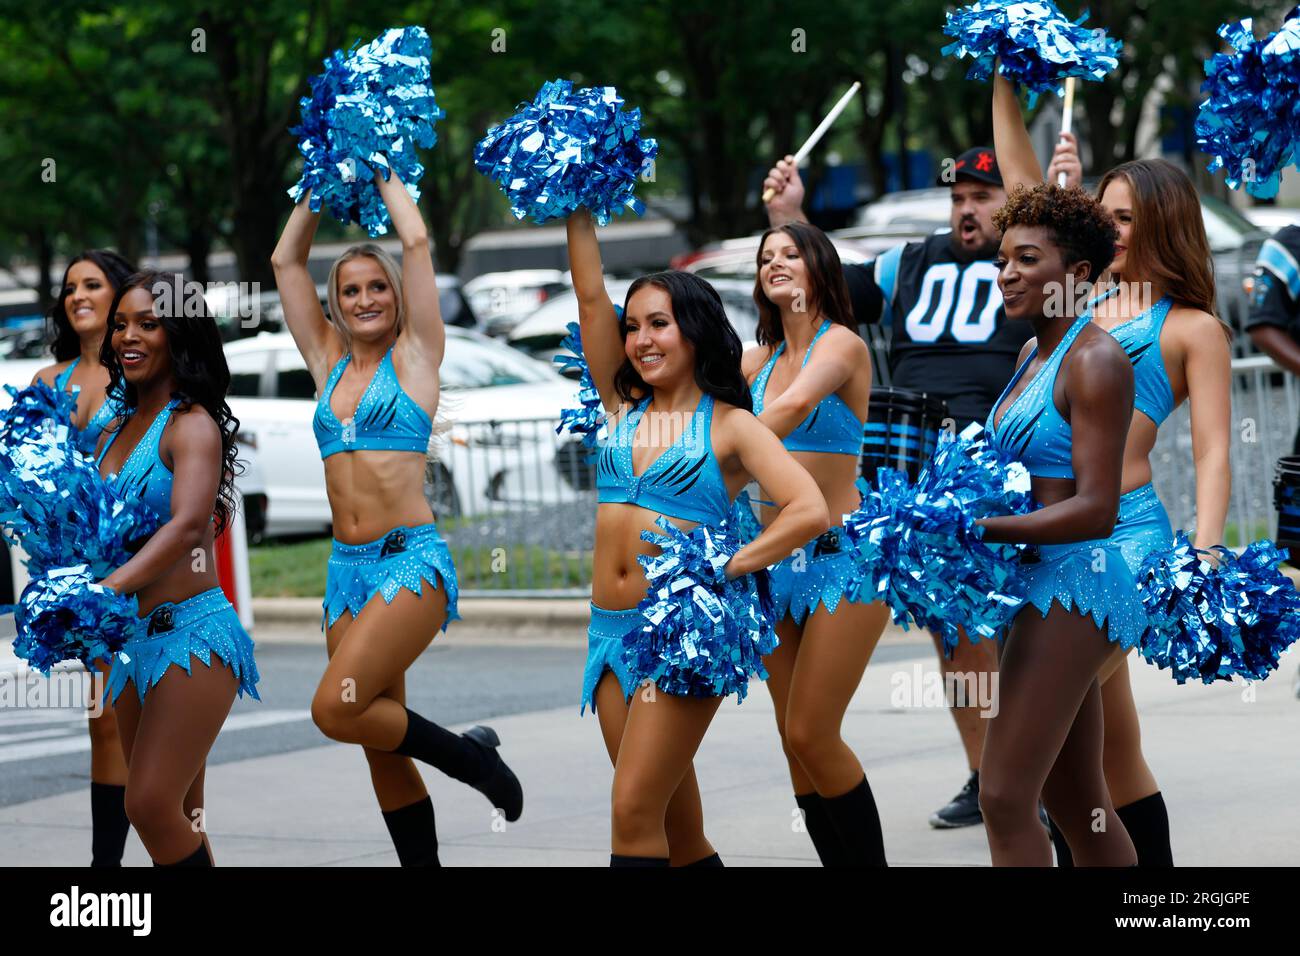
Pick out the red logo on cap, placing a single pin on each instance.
(985, 163)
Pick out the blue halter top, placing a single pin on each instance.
(143, 475)
(386, 418)
(831, 427)
(1032, 431)
(684, 482)
(87, 438)
(1140, 338)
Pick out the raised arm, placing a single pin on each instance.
(1011, 142)
(802, 515)
(312, 333)
(1099, 386)
(419, 289)
(841, 353)
(602, 339)
(1209, 387)
(195, 444)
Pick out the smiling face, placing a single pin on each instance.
(654, 343)
(367, 300)
(1118, 201)
(971, 218)
(87, 297)
(139, 340)
(1030, 270)
(782, 271)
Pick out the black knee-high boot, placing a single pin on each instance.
(637, 861)
(414, 833)
(1063, 855)
(198, 858)
(858, 823)
(109, 824)
(470, 757)
(825, 838)
(1147, 823)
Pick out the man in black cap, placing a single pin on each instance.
(950, 338)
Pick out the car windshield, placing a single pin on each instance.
(1226, 228)
(473, 364)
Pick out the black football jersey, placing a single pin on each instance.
(950, 336)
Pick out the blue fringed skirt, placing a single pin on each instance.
(403, 558)
(199, 627)
(818, 574)
(605, 636)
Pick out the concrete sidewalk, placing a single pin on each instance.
(1224, 756)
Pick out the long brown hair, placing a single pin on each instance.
(1167, 243)
(829, 294)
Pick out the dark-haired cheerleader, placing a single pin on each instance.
(682, 445)
(1065, 415)
(77, 323)
(173, 448)
(1157, 299)
(811, 382)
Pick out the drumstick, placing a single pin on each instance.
(817, 134)
(1067, 117)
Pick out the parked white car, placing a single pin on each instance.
(494, 438)
(502, 299)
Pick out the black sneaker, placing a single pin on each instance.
(963, 810)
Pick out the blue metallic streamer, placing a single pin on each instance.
(367, 112)
(705, 635)
(1250, 121)
(64, 615)
(1208, 622)
(566, 150)
(588, 419)
(918, 547)
(1033, 42)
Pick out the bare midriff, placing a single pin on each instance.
(617, 581)
(372, 492)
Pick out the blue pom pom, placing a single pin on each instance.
(1034, 43)
(1212, 623)
(588, 419)
(53, 501)
(705, 635)
(63, 615)
(368, 111)
(1250, 122)
(567, 150)
(918, 547)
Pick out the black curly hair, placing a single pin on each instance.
(198, 365)
(698, 311)
(1077, 223)
(63, 338)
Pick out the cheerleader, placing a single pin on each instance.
(77, 323)
(173, 448)
(1065, 415)
(810, 377)
(1158, 300)
(682, 445)
(391, 585)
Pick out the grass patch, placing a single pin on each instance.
(289, 569)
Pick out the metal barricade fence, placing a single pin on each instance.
(519, 504)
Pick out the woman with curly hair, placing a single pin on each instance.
(1157, 299)
(174, 450)
(1065, 415)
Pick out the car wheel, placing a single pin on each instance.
(440, 491)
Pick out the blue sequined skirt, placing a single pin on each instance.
(605, 652)
(403, 558)
(198, 627)
(817, 574)
(1093, 578)
(1143, 526)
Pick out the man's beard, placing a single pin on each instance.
(986, 250)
